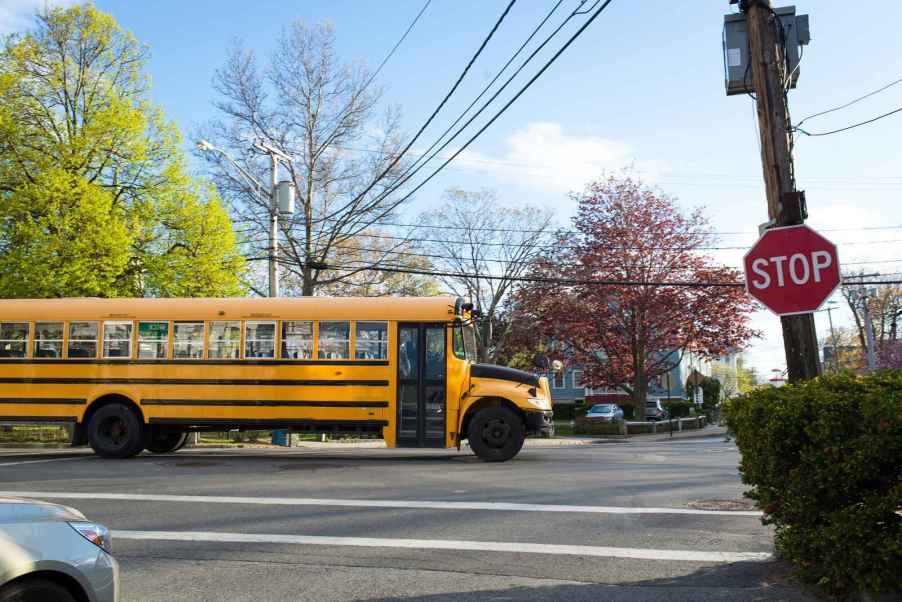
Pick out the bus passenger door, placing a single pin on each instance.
(421, 385)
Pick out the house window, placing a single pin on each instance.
(13, 338)
(372, 341)
(297, 340)
(225, 340)
(334, 340)
(82, 340)
(117, 340)
(188, 340)
(48, 339)
(259, 340)
(153, 340)
(558, 381)
(577, 379)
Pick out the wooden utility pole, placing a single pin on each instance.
(784, 203)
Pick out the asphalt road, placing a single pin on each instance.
(611, 521)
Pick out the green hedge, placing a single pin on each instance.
(823, 460)
(678, 408)
(595, 426)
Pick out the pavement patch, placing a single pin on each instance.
(357, 503)
(442, 544)
(43, 460)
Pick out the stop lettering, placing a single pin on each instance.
(792, 270)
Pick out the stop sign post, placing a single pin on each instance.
(792, 270)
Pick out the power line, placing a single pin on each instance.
(850, 127)
(392, 51)
(850, 103)
(561, 245)
(444, 100)
(562, 281)
(419, 164)
(490, 84)
(498, 114)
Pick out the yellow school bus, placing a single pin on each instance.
(136, 374)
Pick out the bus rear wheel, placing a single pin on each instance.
(165, 442)
(115, 431)
(496, 434)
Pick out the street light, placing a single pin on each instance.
(830, 309)
(280, 198)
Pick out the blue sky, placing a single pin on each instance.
(642, 87)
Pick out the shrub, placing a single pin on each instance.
(823, 460)
(595, 426)
(677, 408)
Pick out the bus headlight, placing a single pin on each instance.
(542, 404)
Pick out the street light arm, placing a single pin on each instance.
(205, 146)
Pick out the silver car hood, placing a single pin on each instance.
(14, 510)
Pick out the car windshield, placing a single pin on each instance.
(602, 408)
(651, 404)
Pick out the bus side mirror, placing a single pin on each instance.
(540, 361)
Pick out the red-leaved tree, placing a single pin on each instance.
(663, 296)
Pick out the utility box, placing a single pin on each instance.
(285, 192)
(738, 71)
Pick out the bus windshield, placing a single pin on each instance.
(464, 341)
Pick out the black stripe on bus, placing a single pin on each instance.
(38, 419)
(264, 403)
(195, 381)
(276, 423)
(188, 362)
(43, 400)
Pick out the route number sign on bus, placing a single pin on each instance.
(792, 270)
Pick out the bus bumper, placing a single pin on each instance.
(539, 424)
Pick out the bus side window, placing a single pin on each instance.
(48, 340)
(153, 340)
(297, 340)
(13, 339)
(259, 340)
(372, 341)
(334, 340)
(82, 340)
(188, 340)
(225, 340)
(117, 340)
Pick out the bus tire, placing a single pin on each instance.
(115, 431)
(496, 434)
(165, 442)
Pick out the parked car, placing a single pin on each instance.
(654, 410)
(52, 553)
(606, 411)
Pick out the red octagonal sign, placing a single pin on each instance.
(791, 270)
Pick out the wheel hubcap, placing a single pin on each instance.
(496, 433)
(114, 431)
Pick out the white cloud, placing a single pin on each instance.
(17, 15)
(542, 156)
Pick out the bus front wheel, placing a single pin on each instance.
(164, 442)
(115, 431)
(496, 434)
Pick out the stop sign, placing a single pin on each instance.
(791, 270)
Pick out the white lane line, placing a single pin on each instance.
(449, 544)
(422, 504)
(45, 460)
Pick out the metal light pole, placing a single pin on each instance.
(830, 311)
(276, 191)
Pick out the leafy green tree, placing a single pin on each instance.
(61, 237)
(95, 194)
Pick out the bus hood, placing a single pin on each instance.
(504, 373)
